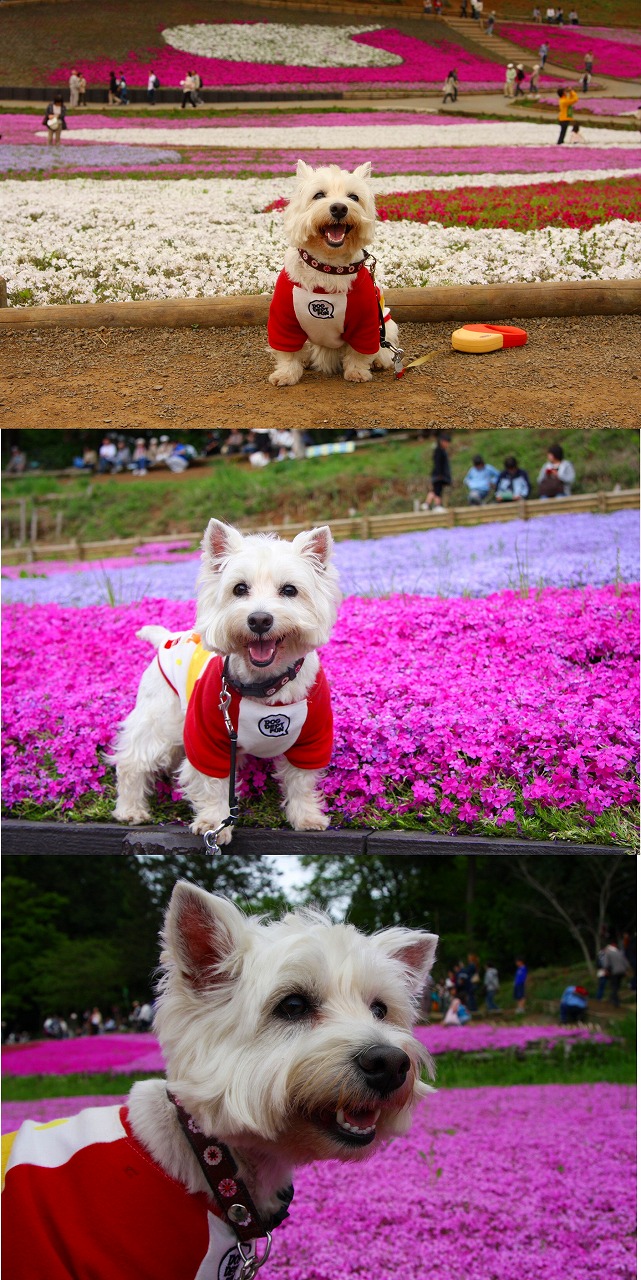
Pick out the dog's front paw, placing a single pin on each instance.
(285, 377)
(202, 824)
(132, 817)
(306, 817)
(357, 375)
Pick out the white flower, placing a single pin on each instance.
(277, 43)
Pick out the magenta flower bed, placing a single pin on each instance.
(129, 1053)
(422, 64)
(490, 1184)
(496, 721)
(84, 1055)
(569, 45)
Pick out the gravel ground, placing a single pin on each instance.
(571, 373)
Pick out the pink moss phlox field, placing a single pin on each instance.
(422, 64)
(135, 1052)
(44, 1110)
(526, 1181)
(213, 163)
(124, 1052)
(536, 693)
(569, 45)
(490, 1184)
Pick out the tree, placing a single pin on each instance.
(31, 920)
(590, 895)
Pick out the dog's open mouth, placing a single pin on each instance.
(335, 233)
(353, 1128)
(262, 651)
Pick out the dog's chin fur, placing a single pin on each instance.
(297, 584)
(268, 1087)
(303, 220)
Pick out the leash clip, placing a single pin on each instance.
(251, 1262)
(211, 837)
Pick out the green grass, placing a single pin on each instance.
(28, 1088)
(386, 477)
(583, 1064)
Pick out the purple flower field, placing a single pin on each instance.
(566, 550)
(482, 738)
(491, 1184)
(135, 1052)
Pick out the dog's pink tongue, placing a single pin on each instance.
(335, 235)
(361, 1119)
(262, 652)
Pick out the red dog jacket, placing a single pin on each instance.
(327, 319)
(83, 1199)
(301, 731)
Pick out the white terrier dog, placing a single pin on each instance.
(326, 313)
(284, 1042)
(264, 606)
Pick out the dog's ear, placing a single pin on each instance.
(219, 542)
(202, 933)
(303, 171)
(364, 171)
(316, 543)
(412, 948)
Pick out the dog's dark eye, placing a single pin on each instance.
(379, 1009)
(289, 590)
(241, 589)
(320, 195)
(293, 1008)
(352, 196)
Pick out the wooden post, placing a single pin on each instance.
(33, 536)
(3, 292)
(602, 502)
(22, 502)
(523, 509)
(459, 303)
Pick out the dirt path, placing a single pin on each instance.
(571, 373)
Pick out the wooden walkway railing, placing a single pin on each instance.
(365, 526)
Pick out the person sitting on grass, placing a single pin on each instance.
(480, 481)
(557, 475)
(512, 483)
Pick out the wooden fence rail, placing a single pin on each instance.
(20, 837)
(350, 527)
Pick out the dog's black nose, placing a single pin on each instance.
(260, 622)
(338, 211)
(384, 1067)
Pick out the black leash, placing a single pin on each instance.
(211, 837)
(385, 342)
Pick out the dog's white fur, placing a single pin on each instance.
(305, 216)
(267, 1086)
(150, 739)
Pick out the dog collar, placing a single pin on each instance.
(227, 1187)
(263, 688)
(327, 269)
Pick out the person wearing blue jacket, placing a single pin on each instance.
(574, 1005)
(480, 480)
(512, 482)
